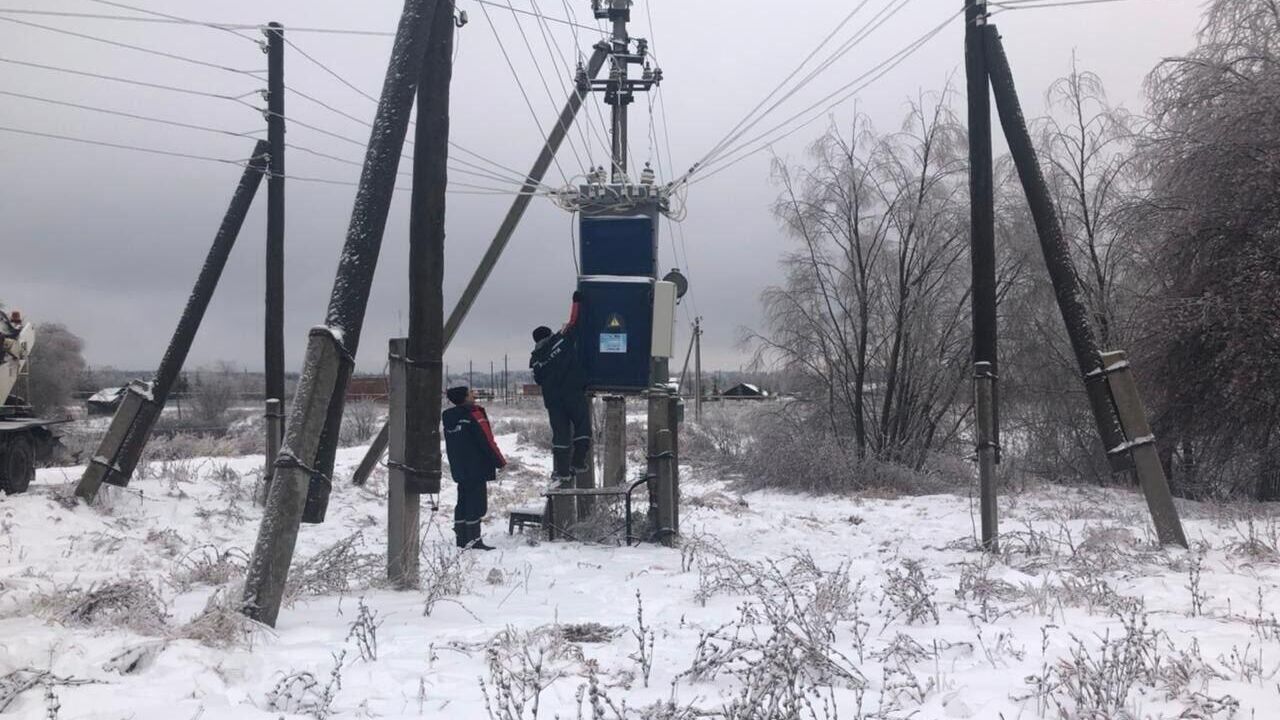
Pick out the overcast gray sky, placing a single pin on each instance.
(109, 241)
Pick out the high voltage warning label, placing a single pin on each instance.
(613, 343)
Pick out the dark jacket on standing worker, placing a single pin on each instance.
(473, 453)
(555, 362)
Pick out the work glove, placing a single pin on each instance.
(577, 296)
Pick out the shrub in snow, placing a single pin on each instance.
(521, 665)
(338, 569)
(133, 603)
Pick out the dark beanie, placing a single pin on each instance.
(541, 332)
(457, 395)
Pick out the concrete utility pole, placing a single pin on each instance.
(273, 330)
(619, 13)
(416, 379)
(697, 369)
(983, 256)
(118, 454)
(1113, 394)
(303, 469)
(619, 92)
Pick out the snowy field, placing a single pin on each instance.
(775, 606)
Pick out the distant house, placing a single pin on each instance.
(105, 401)
(531, 390)
(368, 387)
(744, 391)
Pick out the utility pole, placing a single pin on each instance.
(273, 345)
(305, 464)
(619, 92)
(493, 383)
(506, 383)
(131, 426)
(697, 370)
(1113, 394)
(421, 354)
(582, 86)
(983, 256)
(618, 97)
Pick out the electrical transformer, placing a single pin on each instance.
(616, 331)
(618, 245)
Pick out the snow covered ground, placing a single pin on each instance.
(775, 606)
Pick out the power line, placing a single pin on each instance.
(120, 146)
(174, 18)
(515, 174)
(470, 189)
(542, 76)
(876, 22)
(129, 81)
(510, 65)
(119, 113)
(557, 54)
(675, 229)
(130, 46)
(865, 80)
(1037, 4)
(548, 18)
(181, 21)
(333, 73)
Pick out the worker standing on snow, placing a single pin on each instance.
(474, 459)
(558, 371)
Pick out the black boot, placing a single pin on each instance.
(479, 544)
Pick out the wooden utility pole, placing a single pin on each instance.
(303, 469)
(983, 256)
(503, 236)
(273, 328)
(1109, 384)
(131, 426)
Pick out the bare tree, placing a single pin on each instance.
(1214, 224)
(872, 316)
(1088, 145)
(55, 366)
(213, 393)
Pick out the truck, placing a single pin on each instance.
(24, 438)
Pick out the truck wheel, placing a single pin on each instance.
(17, 465)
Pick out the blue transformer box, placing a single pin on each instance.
(616, 332)
(618, 245)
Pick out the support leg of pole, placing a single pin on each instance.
(269, 567)
(615, 440)
(585, 479)
(661, 465)
(118, 454)
(275, 435)
(1146, 459)
(984, 386)
(403, 506)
